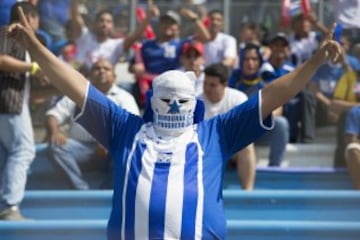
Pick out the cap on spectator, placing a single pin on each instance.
(172, 15)
(197, 46)
(280, 36)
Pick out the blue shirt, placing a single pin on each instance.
(161, 57)
(329, 74)
(5, 8)
(249, 86)
(167, 189)
(270, 73)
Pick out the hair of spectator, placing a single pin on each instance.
(256, 28)
(102, 12)
(218, 70)
(215, 11)
(27, 8)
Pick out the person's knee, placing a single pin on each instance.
(281, 125)
(352, 149)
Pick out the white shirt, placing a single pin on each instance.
(347, 12)
(223, 46)
(304, 48)
(199, 82)
(90, 50)
(64, 111)
(231, 99)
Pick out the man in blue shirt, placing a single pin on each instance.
(325, 80)
(168, 182)
(300, 110)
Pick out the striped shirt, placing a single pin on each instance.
(12, 84)
(169, 188)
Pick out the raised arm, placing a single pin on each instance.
(152, 11)
(62, 76)
(204, 35)
(283, 89)
(76, 19)
(11, 64)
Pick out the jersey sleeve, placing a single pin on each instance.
(242, 125)
(110, 124)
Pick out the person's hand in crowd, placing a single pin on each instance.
(22, 31)
(189, 14)
(138, 69)
(152, 9)
(58, 138)
(100, 152)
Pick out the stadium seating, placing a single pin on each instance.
(42, 175)
(252, 215)
(279, 205)
(254, 230)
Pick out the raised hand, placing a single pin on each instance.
(188, 13)
(330, 50)
(152, 9)
(22, 31)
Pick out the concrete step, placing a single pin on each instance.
(301, 155)
(320, 153)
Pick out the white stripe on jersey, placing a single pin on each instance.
(143, 190)
(200, 203)
(175, 194)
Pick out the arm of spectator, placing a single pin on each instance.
(152, 11)
(100, 152)
(204, 35)
(318, 25)
(76, 19)
(314, 88)
(284, 88)
(11, 64)
(229, 62)
(340, 106)
(63, 77)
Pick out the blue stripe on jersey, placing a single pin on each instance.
(190, 192)
(158, 200)
(133, 178)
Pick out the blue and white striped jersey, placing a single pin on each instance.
(169, 189)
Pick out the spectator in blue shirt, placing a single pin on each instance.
(300, 110)
(325, 80)
(248, 79)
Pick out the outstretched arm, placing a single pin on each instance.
(76, 19)
(283, 89)
(11, 64)
(62, 76)
(152, 11)
(204, 35)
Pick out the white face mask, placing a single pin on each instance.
(173, 102)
